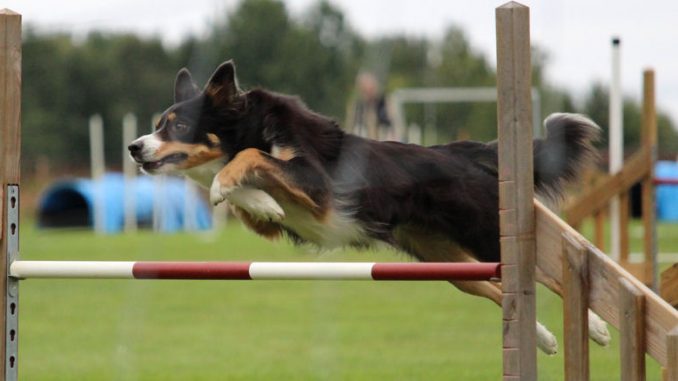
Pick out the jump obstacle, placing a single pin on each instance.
(637, 169)
(533, 239)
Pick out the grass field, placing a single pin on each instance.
(211, 330)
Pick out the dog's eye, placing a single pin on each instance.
(180, 128)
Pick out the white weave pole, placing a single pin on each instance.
(129, 133)
(97, 167)
(190, 206)
(158, 189)
(616, 144)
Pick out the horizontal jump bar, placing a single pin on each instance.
(256, 270)
(665, 181)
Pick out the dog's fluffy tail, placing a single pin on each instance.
(566, 149)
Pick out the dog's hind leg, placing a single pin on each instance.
(598, 331)
(546, 341)
(419, 243)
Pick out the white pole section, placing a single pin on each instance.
(72, 269)
(311, 270)
(616, 146)
(190, 206)
(97, 166)
(129, 132)
(158, 189)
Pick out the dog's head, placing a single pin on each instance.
(192, 131)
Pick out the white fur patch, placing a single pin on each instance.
(546, 341)
(257, 203)
(598, 331)
(337, 229)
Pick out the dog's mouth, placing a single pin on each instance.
(174, 158)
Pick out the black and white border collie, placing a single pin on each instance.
(286, 170)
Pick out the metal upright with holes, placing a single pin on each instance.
(11, 225)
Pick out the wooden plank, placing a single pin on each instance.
(635, 168)
(575, 309)
(603, 274)
(10, 137)
(516, 189)
(10, 102)
(631, 331)
(671, 373)
(668, 288)
(649, 139)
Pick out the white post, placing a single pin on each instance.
(129, 133)
(158, 189)
(190, 206)
(97, 166)
(616, 146)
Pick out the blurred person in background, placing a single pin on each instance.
(367, 114)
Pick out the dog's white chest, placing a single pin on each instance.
(336, 229)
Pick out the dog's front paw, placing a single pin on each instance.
(217, 193)
(257, 203)
(546, 341)
(598, 331)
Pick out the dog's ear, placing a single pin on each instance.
(222, 87)
(184, 87)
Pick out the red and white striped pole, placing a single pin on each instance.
(256, 270)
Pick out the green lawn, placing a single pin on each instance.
(267, 330)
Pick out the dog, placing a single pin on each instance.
(288, 171)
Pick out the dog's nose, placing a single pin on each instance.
(135, 147)
(135, 150)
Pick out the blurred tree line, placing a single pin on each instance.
(316, 56)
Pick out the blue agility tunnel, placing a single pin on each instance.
(70, 203)
(667, 195)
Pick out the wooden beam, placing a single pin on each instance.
(575, 309)
(649, 139)
(671, 373)
(631, 331)
(516, 191)
(668, 288)
(660, 317)
(635, 168)
(10, 143)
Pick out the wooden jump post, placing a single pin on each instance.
(10, 146)
(638, 168)
(516, 191)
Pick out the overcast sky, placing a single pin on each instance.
(575, 33)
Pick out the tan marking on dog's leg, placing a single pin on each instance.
(479, 288)
(264, 228)
(251, 166)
